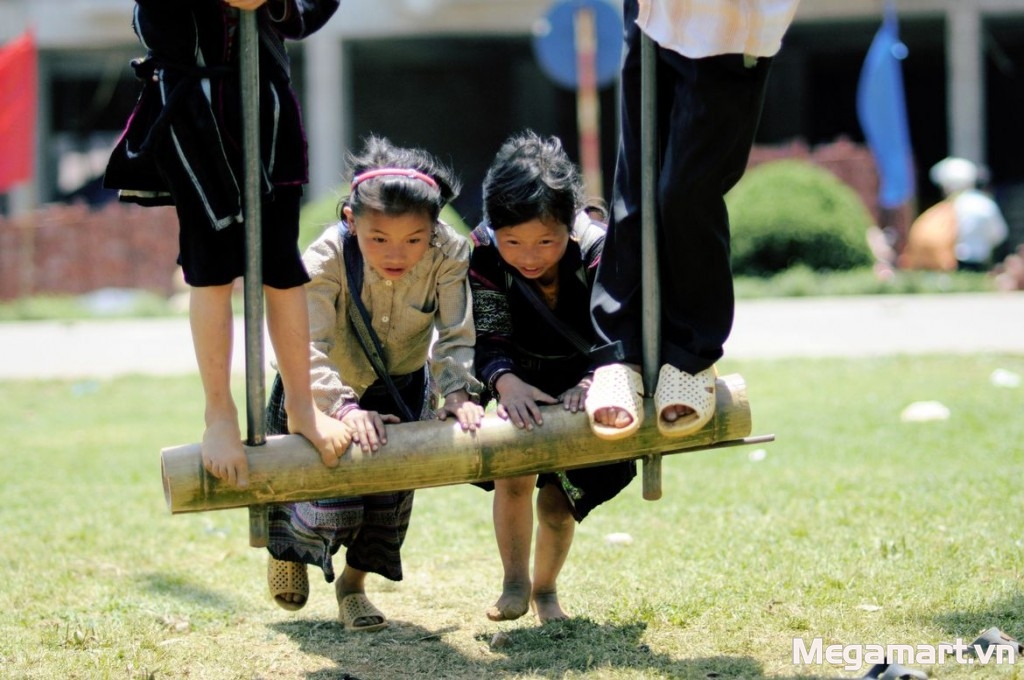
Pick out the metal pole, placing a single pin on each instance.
(255, 380)
(649, 243)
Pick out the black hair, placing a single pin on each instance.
(531, 178)
(397, 194)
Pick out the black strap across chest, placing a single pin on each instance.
(368, 339)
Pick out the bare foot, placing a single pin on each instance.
(288, 582)
(613, 417)
(671, 414)
(293, 598)
(547, 608)
(330, 437)
(513, 603)
(223, 455)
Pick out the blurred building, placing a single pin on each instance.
(457, 76)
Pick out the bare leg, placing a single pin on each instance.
(513, 528)
(555, 530)
(212, 328)
(288, 324)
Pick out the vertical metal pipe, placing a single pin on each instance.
(255, 380)
(649, 242)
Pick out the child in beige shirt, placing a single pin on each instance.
(391, 255)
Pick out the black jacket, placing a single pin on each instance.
(189, 110)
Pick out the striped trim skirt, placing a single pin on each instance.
(371, 528)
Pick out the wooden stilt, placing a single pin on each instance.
(437, 453)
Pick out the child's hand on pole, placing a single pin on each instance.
(466, 411)
(574, 397)
(519, 401)
(368, 428)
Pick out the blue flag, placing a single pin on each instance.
(882, 111)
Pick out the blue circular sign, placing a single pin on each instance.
(554, 41)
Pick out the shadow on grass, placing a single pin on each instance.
(180, 588)
(571, 647)
(1006, 614)
(401, 650)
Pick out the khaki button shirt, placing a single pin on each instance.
(426, 314)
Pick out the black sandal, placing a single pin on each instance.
(994, 636)
(894, 671)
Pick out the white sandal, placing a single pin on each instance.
(616, 386)
(679, 388)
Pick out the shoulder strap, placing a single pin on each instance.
(600, 355)
(368, 340)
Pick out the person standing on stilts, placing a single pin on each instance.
(712, 63)
(182, 146)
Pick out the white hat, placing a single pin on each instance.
(954, 174)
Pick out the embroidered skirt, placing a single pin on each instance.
(372, 528)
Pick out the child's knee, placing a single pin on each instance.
(553, 507)
(515, 487)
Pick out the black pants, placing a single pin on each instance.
(708, 110)
(209, 257)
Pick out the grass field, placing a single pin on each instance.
(852, 527)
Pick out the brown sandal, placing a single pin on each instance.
(354, 607)
(287, 577)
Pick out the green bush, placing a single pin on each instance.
(787, 213)
(799, 281)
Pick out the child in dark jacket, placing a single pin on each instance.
(182, 146)
(537, 247)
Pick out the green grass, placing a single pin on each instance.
(854, 527)
(800, 281)
(134, 304)
(795, 282)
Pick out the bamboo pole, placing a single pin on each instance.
(255, 379)
(651, 329)
(437, 453)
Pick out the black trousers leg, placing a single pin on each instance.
(616, 295)
(708, 110)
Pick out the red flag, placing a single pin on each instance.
(18, 94)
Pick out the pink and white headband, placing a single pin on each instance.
(393, 172)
